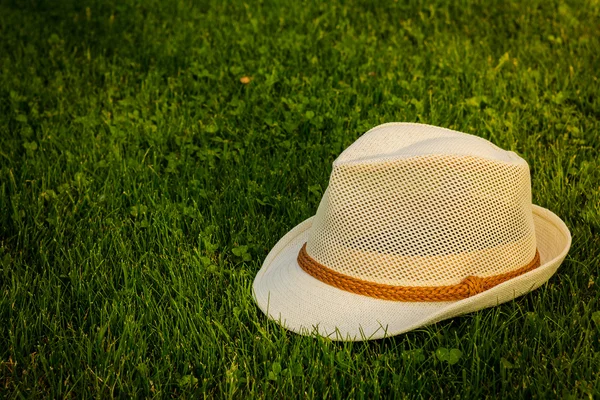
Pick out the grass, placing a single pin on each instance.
(142, 184)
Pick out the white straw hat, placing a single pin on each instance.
(418, 224)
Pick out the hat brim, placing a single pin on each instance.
(305, 305)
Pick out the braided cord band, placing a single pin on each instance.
(470, 286)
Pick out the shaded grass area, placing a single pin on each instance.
(142, 184)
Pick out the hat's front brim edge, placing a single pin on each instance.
(305, 305)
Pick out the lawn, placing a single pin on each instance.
(153, 152)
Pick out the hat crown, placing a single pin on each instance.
(417, 205)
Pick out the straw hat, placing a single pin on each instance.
(418, 224)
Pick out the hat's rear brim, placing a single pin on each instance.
(305, 305)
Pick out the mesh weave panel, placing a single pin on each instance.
(417, 205)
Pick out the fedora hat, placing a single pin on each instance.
(418, 224)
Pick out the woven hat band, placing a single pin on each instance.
(469, 286)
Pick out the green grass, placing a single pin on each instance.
(142, 185)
